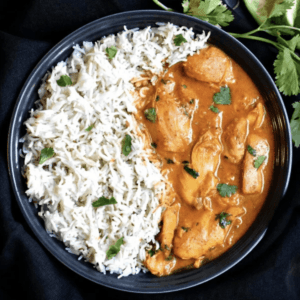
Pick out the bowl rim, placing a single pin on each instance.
(12, 152)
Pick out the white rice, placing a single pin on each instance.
(88, 165)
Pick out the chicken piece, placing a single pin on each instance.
(234, 139)
(170, 221)
(257, 116)
(205, 160)
(197, 241)
(253, 178)
(158, 264)
(204, 235)
(210, 65)
(172, 125)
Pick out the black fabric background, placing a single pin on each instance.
(27, 31)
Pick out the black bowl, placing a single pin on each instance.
(147, 283)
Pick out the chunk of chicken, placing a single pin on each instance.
(253, 178)
(210, 65)
(257, 116)
(234, 139)
(172, 125)
(204, 235)
(170, 221)
(158, 264)
(205, 160)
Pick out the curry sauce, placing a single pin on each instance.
(218, 158)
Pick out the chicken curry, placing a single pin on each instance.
(208, 129)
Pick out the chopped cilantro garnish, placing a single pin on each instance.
(167, 248)
(184, 86)
(258, 162)
(64, 80)
(157, 98)
(192, 101)
(214, 109)
(223, 97)
(90, 128)
(251, 150)
(185, 228)
(126, 145)
(192, 172)
(46, 153)
(179, 39)
(222, 217)
(114, 249)
(102, 201)
(169, 161)
(154, 145)
(150, 114)
(170, 257)
(111, 52)
(151, 252)
(226, 190)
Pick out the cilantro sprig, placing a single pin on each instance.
(258, 162)
(150, 114)
(46, 153)
(179, 39)
(114, 249)
(111, 52)
(226, 190)
(223, 97)
(64, 80)
(222, 217)
(102, 201)
(212, 11)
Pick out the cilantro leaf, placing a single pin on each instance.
(214, 109)
(46, 153)
(154, 145)
(150, 114)
(186, 5)
(186, 229)
(90, 128)
(270, 8)
(114, 249)
(212, 11)
(258, 162)
(287, 70)
(226, 190)
(295, 124)
(292, 44)
(179, 39)
(223, 97)
(192, 172)
(157, 98)
(184, 86)
(151, 252)
(251, 150)
(111, 52)
(64, 80)
(102, 201)
(126, 145)
(222, 217)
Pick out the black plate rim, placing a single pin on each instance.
(46, 242)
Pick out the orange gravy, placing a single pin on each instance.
(189, 92)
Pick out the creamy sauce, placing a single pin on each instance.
(176, 132)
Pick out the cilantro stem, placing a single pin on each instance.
(260, 28)
(257, 38)
(162, 6)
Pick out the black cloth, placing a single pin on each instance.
(28, 30)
